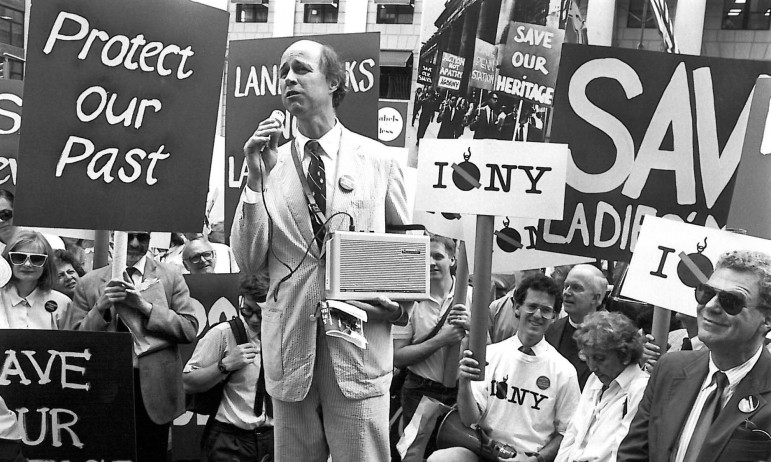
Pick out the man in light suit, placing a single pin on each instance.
(582, 295)
(307, 373)
(158, 300)
(734, 317)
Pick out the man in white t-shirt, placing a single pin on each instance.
(529, 391)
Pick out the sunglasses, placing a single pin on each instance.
(141, 237)
(731, 303)
(199, 257)
(35, 259)
(6, 214)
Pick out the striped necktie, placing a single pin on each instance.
(317, 183)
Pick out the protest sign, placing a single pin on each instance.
(10, 124)
(450, 71)
(492, 177)
(253, 93)
(425, 73)
(218, 297)
(120, 114)
(392, 122)
(73, 393)
(530, 62)
(670, 254)
(747, 212)
(650, 134)
(483, 68)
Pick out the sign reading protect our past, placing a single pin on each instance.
(671, 258)
(120, 112)
(649, 134)
(10, 124)
(492, 177)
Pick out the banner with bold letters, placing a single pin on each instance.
(217, 297)
(253, 93)
(425, 73)
(11, 96)
(450, 71)
(392, 122)
(483, 67)
(672, 258)
(120, 113)
(529, 63)
(649, 134)
(492, 177)
(73, 393)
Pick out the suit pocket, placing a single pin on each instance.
(272, 340)
(746, 450)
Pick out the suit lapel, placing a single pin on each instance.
(293, 195)
(757, 383)
(679, 398)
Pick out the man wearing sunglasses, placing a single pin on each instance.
(159, 310)
(710, 405)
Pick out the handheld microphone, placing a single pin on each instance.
(279, 116)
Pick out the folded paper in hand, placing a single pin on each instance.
(344, 321)
(144, 342)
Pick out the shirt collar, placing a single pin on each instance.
(629, 374)
(140, 265)
(330, 141)
(16, 299)
(736, 374)
(538, 349)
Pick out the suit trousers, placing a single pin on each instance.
(152, 439)
(326, 422)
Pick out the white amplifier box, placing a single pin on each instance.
(364, 266)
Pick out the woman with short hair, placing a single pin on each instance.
(612, 346)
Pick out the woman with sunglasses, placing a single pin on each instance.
(28, 300)
(7, 230)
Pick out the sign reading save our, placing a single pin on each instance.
(649, 134)
(120, 113)
(492, 177)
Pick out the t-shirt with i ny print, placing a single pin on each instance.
(524, 398)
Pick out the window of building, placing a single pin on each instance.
(318, 13)
(634, 18)
(251, 12)
(12, 26)
(395, 14)
(746, 14)
(15, 69)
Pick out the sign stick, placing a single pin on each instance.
(119, 254)
(450, 377)
(480, 306)
(660, 328)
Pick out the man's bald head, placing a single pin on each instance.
(199, 257)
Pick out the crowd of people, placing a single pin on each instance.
(566, 378)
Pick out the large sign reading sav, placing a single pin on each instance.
(650, 134)
(120, 113)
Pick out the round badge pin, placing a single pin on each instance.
(51, 306)
(543, 382)
(748, 404)
(346, 183)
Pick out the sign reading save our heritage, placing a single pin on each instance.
(120, 113)
(649, 134)
(492, 177)
(73, 393)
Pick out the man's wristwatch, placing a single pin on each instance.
(222, 368)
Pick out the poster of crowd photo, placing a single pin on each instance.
(487, 70)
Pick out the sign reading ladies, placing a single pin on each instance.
(120, 113)
(649, 134)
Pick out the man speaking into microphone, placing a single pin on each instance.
(330, 397)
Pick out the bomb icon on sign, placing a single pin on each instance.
(508, 239)
(701, 263)
(502, 388)
(466, 175)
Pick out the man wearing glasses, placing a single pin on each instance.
(583, 292)
(529, 391)
(242, 428)
(711, 404)
(484, 125)
(159, 313)
(199, 257)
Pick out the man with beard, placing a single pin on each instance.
(157, 305)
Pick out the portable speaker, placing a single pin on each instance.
(363, 266)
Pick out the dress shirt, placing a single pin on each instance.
(29, 312)
(602, 419)
(9, 428)
(330, 142)
(735, 375)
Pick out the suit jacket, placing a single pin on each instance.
(553, 335)
(450, 122)
(667, 401)
(484, 126)
(160, 371)
(289, 325)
